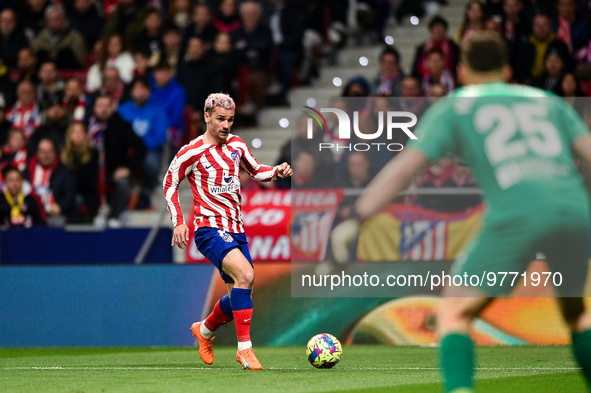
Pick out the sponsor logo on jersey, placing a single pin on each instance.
(226, 236)
(214, 190)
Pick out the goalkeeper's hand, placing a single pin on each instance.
(342, 239)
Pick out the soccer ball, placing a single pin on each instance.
(324, 351)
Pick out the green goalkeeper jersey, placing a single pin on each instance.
(517, 141)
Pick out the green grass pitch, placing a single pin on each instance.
(363, 369)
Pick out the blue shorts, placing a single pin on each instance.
(215, 243)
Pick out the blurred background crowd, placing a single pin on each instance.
(95, 95)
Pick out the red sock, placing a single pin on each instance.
(242, 320)
(217, 318)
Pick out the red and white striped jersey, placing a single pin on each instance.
(214, 174)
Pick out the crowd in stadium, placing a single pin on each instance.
(95, 94)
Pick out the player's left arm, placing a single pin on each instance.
(261, 172)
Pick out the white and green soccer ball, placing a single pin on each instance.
(324, 351)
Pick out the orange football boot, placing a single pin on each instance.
(205, 350)
(248, 360)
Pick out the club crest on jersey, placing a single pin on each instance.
(235, 157)
(226, 236)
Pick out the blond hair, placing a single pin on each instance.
(222, 100)
(70, 152)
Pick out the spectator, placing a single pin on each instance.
(323, 160)
(83, 161)
(224, 62)
(53, 182)
(169, 95)
(171, 40)
(227, 20)
(113, 54)
(12, 39)
(473, 21)
(359, 172)
(570, 28)
(74, 99)
(18, 209)
(411, 97)
(14, 154)
(127, 20)
(50, 88)
(26, 68)
(439, 172)
(5, 125)
(358, 175)
(390, 76)
(149, 121)
(515, 25)
(179, 13)
(438, 39)
(25, 114)
(461, 178)
(434, 177)
(54, 123)
(200, 27)
(437, 73)
(142, 64)
(247, 183)
(313, 42)
(194, 126)
(541, 41)
(570, 90)
(85, 18)
(380, 10)
(121, 152)
(331, 134)
(550, 80)
(381, 106)
(149, 40)
(59, 42)
(33, 17)
(7, 87)
(196, 63)
(493, 8)
(304, 172)
(253, 45)
(494, 24)
(356, 87)
(113, 87)
(435, 92)
(287, 28)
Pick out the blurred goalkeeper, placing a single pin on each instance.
(517, 140)
(212, 164)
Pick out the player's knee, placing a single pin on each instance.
(245, 278)
(455, 311)
(573, 311)
(574, 318)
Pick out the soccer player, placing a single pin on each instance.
(517, 140)
(212, 164)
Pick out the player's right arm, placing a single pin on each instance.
(178, 169)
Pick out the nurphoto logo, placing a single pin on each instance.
(344, 129)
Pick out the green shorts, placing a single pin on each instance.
(507, 246)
